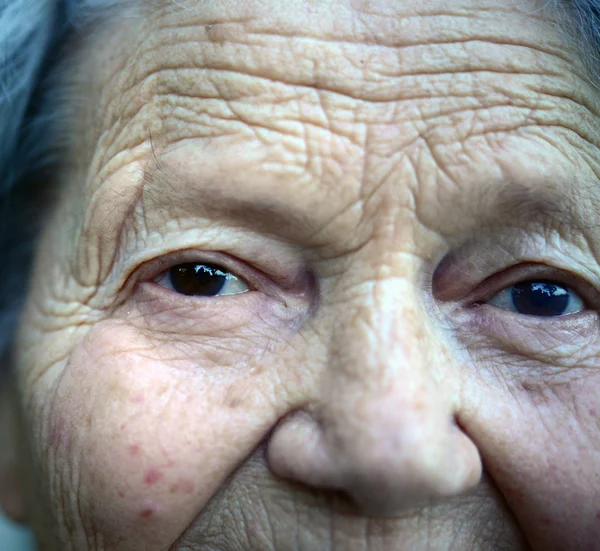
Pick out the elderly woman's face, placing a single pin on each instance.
(321, 275)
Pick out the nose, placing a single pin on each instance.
(383, 427)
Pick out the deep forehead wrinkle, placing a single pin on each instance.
(392, 52)
(185, 72)
(409, 52)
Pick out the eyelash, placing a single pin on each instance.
(480, 296)
(232, 282)
(497, 283)
(159, 268)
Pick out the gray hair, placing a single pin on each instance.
(27, 28)
(33, 34)
(34, 39)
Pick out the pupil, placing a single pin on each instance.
(540, 298)
(205, 280)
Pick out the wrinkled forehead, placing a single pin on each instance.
(316, 86)
(347, 50)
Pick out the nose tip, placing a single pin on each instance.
(390, 479)
(386, 473)
(378, 424)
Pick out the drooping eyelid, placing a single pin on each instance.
(494, 284)
(152, 269)
(295, 282)
(468, 263)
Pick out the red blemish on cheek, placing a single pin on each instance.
(134, 449)
(139, 399)
(598, 515)
(152, 476)
(121, 493)
(122, 427)
(146, 513)
(546, 521)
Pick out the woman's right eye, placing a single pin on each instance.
(202, 280)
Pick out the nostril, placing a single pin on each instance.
(384, 468)
(297, 451)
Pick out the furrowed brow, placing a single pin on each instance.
(577, 206)
(165, 186)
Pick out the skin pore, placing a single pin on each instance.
(374, 174)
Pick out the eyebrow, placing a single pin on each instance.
(554, 204)
(514, 202)
(519, 201)
(165, 185)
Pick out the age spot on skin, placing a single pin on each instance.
(235, 398)
(183, 486)
(187, 486)
(234, 403)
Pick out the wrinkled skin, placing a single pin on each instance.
(376, 172)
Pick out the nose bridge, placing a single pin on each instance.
(386, 419)
(378, 333)
(383, 376)
(381, 426)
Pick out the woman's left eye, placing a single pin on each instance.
(539, 298)
(202, 280)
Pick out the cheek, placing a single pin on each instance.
(542, 448)
(140, 440)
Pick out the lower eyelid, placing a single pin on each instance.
(157, 298)
(504, 326)
(529, 351)
(158, 306)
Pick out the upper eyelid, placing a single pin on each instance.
(151, 270)
(300, 286)
(468, 262)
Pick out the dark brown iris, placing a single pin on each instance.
(205, 280)
(540, 298)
